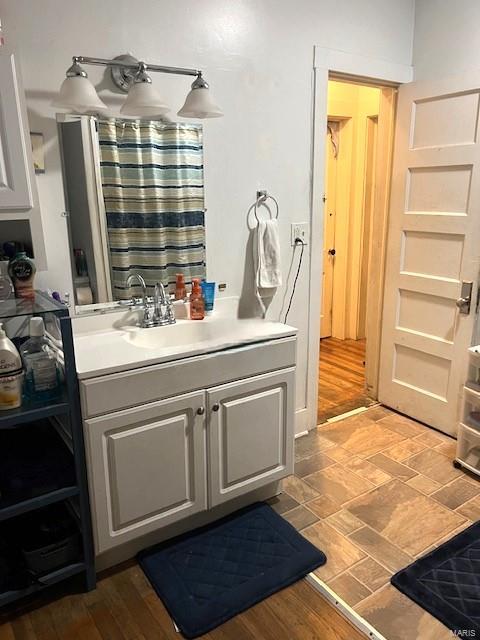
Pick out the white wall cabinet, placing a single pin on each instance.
(15, 155)
(250, 435)
(19, 204)
(158, 463)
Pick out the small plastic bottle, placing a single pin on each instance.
(42, 379)
(197, 303)
(11, 373)
(180, 289)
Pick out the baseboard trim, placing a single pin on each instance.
(347, 612)
(301, 422)
(302, 433)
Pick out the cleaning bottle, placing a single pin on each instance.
(11, 373)
(42, 377)
(197, 303)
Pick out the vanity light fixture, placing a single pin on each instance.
(142, 98)
(130, 75)
(198, 103)
(78, 93)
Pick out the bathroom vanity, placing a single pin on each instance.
(182, 423)
(186, 422)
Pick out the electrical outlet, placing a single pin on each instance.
(299, 230)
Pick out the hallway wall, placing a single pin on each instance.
(446, 37)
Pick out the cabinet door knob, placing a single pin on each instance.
(216, 407)
(201, 411)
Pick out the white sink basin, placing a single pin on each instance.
(182, 333)
(188, 332)
(111, 343)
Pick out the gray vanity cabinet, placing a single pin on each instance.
(185, 438)
(250, 434)
(147, 467)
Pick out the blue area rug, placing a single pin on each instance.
(446, 582)
(209, 575)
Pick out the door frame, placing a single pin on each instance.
(353, 67)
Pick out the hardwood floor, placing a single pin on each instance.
(341, 377)
(125, 607)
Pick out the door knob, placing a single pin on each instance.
(200, 411)
(331, 252)
(463, 303)
(216, 407)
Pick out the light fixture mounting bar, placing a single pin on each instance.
(104, 62)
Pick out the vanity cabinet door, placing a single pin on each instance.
(146, 468)
(15, 152)
(251, 434)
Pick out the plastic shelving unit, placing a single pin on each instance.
(64, 417)
(468, 436)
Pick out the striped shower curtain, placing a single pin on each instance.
(152, 180)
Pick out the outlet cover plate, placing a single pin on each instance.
(299, 230)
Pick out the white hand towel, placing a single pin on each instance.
(266, 256)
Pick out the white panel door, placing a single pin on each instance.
(147, 468)
(433, 246)
(251, 432)
(15, 151)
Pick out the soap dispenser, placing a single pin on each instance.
(197, 303)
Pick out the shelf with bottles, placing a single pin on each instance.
(32, 362)
(31, 411)
(38, 550)
(60, 410)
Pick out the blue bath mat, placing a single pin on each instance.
(446, 582)
(207, 576)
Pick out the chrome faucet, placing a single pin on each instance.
(163, 308)
(147, 320)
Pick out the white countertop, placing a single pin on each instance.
(110, 343)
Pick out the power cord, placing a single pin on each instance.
(297, 241)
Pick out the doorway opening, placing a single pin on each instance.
(357, 143)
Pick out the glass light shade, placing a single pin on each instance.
(78, 94)
(143, 100)
(199, 104)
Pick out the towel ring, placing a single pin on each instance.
(261, 200)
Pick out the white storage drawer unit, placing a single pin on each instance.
(474, 368)
(471, 407)
(468, 448)
(468, 435)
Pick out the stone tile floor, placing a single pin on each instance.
(375, 491)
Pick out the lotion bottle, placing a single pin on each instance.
(11, 373)
(22, 272)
